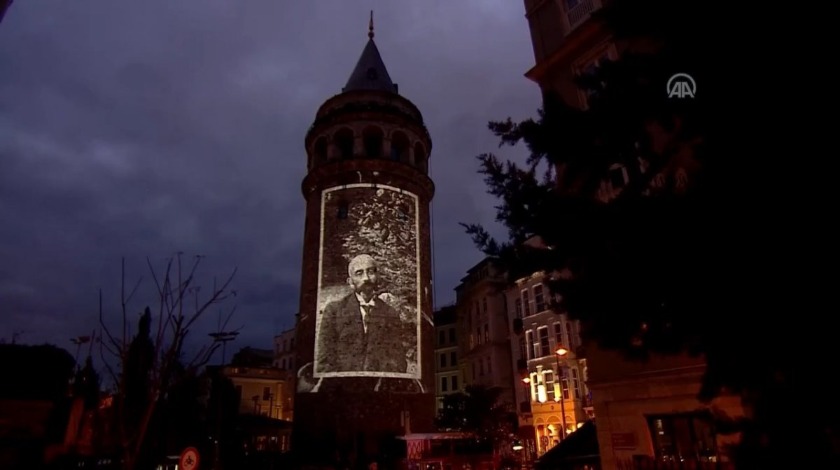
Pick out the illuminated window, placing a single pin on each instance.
(548, 377)
(539, 300)
(575, 382)
(565, 383)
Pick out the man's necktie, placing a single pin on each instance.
(366, 312)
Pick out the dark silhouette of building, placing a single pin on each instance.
(366, 256)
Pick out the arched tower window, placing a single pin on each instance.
(399, 147)
(420, 157)
(372, 138)
(344, 142)
(321, 150)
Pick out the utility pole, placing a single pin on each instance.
(79, 341)
(220, 337)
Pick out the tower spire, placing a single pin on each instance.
(370, 26)
(370, 72)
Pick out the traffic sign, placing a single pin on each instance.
(189, 459)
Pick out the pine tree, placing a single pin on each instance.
(668, 264)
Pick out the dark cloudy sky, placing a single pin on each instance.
(143, 128)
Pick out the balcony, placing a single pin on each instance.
(578, 11)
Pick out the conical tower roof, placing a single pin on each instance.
(370, 72)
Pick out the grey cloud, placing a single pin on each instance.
(134, 129)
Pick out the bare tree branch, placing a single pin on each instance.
(166, 345)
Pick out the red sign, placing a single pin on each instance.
(189, 459)
(624, 440)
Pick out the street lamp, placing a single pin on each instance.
(221, 337)
(560, 352)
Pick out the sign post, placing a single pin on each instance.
(189, 459)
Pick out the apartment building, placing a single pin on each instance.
(448, 377)
(482, 329)
(552, 394)
(284, 350)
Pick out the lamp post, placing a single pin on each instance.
(560, 352)
(79, 341)
(220, 337)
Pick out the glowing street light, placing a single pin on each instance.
(561, 352)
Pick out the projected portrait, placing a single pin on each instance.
(368, 315)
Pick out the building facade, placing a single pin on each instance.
(365, 335)
(448, 379)
(552, 393)
(284, 350)
(263, 391)
(484, 336)
(645, 411)
(265, 405)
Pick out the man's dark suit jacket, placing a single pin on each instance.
(343, 345)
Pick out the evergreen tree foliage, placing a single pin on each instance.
(669, 264)
(54, 368)
(86, 384)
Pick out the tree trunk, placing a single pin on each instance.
(132, 451)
